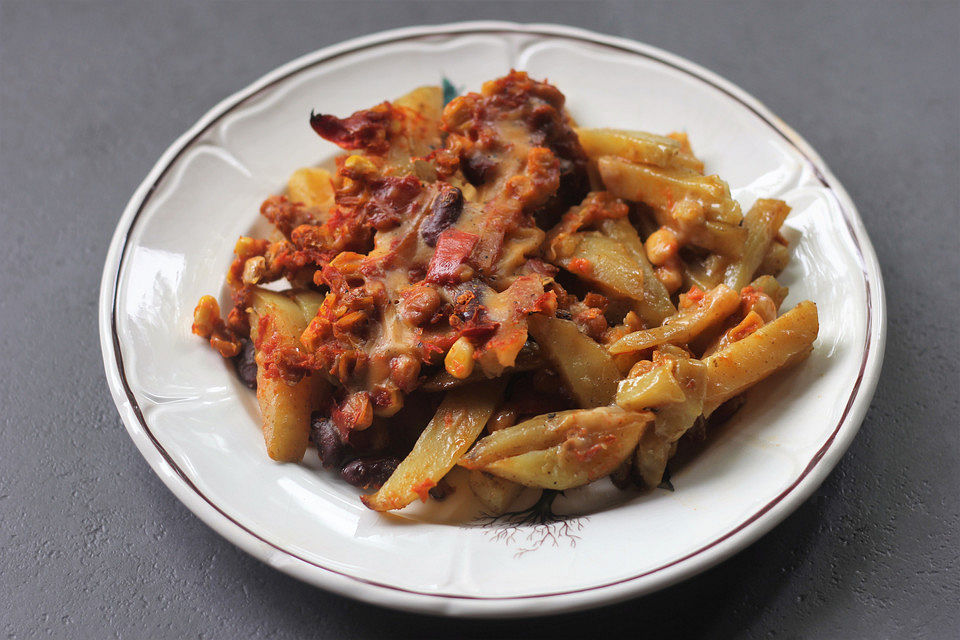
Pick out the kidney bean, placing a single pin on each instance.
(330, 445)
(245, 363)
(369, 473)
(370, 441)
(477, 168)
(444, 211)
(441, 490)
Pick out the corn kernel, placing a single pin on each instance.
(205, 316)
(253, 269)
(359, 165)
(459, 359)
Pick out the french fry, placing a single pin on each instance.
(674, 419)
(308, 301)
(742, 364)
(715, 265)
(616, 270)
(455, 426)
(634, 146)
(420, 130)
(769, 285)
(692, 162)
(717, 304)
(662, 189)
(775, 260)
(600, 260)
(652, 389)
(561, 450)
(762, 222)
(654, 306)
(755, 311)
(720, 237)
(495, 494)
(535, 433)
(612, 257)
(638, 146)
(426, 101)
(312, 186)
(651, 457)
(278, 320)
(750, 323)
(585, 367)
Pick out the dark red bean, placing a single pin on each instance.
(477, 168)
(441, 491)
(369, 473)
(246, 364)
(370, 441)
(330, 445)
(444, 211)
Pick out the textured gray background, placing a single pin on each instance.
(93, 545)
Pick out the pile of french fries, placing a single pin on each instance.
(696, 322)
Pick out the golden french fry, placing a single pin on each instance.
(601, 260)
(717, 304)
(654, 306)
(426, 101)
(651, 456)
(690, 160)
(535, 433)
(662, 189)
(419, 132)
(762, 222)
(750, 323)
(721, 237)
(616, 270)
(742, 364)
(585, 367)
(695, 275)
(652, 389)
(495, 494)
(612, 257)
(775, 260)
(457, 423)
(769, 285)
(673, 419)
(561, 450)
(635, 146)
(312, 186)
(308, 301)
(638, 146)
(279, 320)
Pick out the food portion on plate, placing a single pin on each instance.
(485, 284)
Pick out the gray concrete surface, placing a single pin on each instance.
(92, 545)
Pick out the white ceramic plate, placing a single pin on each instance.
(198, 427)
